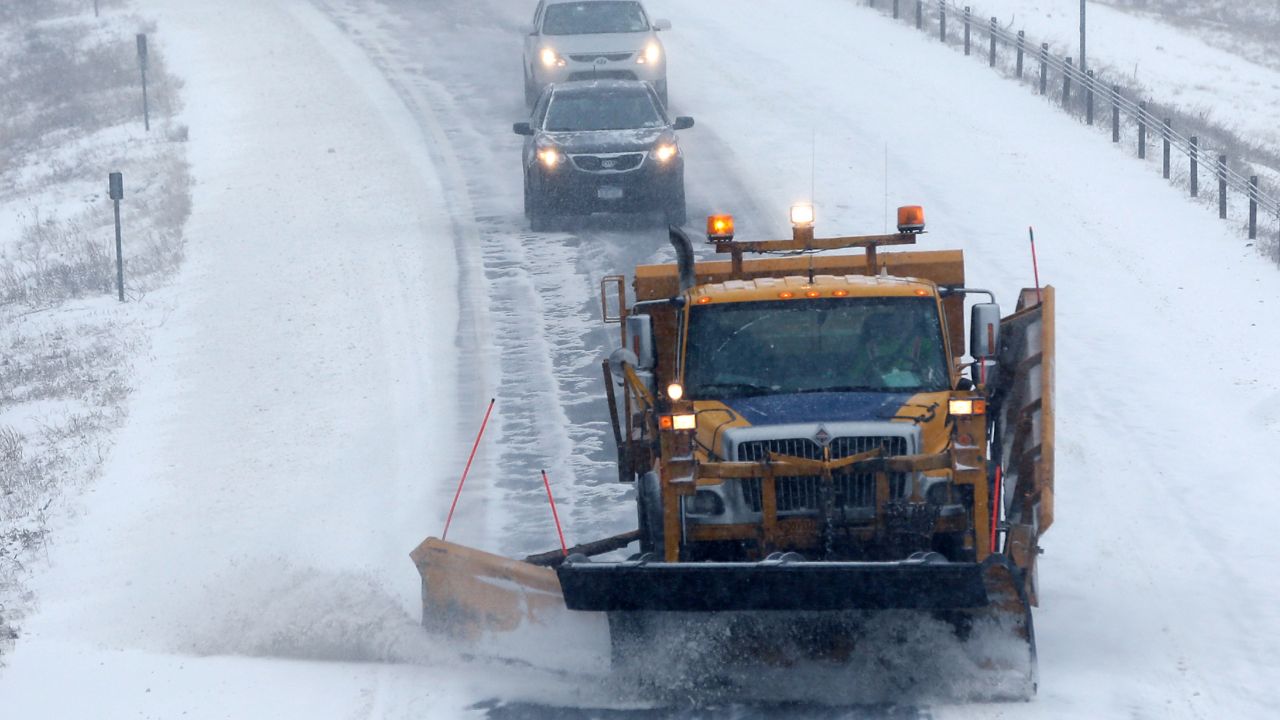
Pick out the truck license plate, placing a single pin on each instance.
(609, 192)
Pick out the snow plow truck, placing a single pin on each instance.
(812, 443)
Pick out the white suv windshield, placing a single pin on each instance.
(601, 111)
(593, 17)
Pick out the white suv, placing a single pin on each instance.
(593, 39)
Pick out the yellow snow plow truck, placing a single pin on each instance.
(810, 446)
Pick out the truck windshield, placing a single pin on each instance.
(821, 345)
(594, 17)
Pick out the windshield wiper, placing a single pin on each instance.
(844, 388)
(727, 389)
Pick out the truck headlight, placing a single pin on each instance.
(550, 157)
(550, 58)
(665, 152)
(652, 53)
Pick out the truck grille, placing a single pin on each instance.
(608, 163)
(804, 494)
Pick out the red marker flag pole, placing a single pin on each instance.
(466, 469)
(554, 515)
(1035, 267)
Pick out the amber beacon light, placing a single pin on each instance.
(720, 227)
(910, 219)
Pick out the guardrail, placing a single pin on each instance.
(934, 16)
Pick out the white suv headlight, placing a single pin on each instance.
(550, 58)
(651, 54)
(665, 151)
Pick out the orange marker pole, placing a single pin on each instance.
(554, 515)
(467, 469)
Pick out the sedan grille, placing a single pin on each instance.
(611, 57)
(603, 75)
(620, 162)
(804, 494)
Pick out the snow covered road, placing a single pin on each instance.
(361, 281)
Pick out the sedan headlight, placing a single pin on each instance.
(665, 151)
(652, 53)
(550, 157)
(551, 58)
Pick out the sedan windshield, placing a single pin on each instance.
(593, 17)
(824, 345)
(602, 111)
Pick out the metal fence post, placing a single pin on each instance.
(942, 21)
(1195, 166)
(1142, 130)
(1253, 207)
(1044, 67)
(966, 29)
(1222, 187)
(895, 9)
(1066, 82)
(919, 14)
(1088, 97)
(1115, 113)
(995, 24)
(1165, 132)
(1022, 38)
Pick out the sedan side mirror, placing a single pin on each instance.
(661, 24)
(683, 122)
(522, 128)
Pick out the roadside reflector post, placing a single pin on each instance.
(995, 26)
(1044, 68)
(967, 13)
(1222, 187)
(95, 8)
(942, 21)
(895, 9)
(1022, 40)
(919, 14)
(1142, 130)
(142, 63)
(1115, 113)
(1195, 166)
(1253, 207)
(1165, 132)
(115, 188)
(1088, 97)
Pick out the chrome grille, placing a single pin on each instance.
(603, 75)
(803, 494)
(621, 162)
(611, 57)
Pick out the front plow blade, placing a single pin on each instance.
(467, 592)
(771, 585)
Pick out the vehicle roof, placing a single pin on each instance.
(586, 86)
(823, 285)
(562, 2)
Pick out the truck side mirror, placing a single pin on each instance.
(984, 331)
(522, 128)
(683, 122)
(640, 334)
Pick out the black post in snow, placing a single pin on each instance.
(1253, 207)
(1166, 133)
(115, 187)
(1115, 113)
(1195, 166)
(1044, 68)
(1142, 130)
(1022, 39)
(1222, 187)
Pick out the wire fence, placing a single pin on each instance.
(1083, 93)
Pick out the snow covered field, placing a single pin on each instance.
(360, 280)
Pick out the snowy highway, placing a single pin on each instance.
(361, 280)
